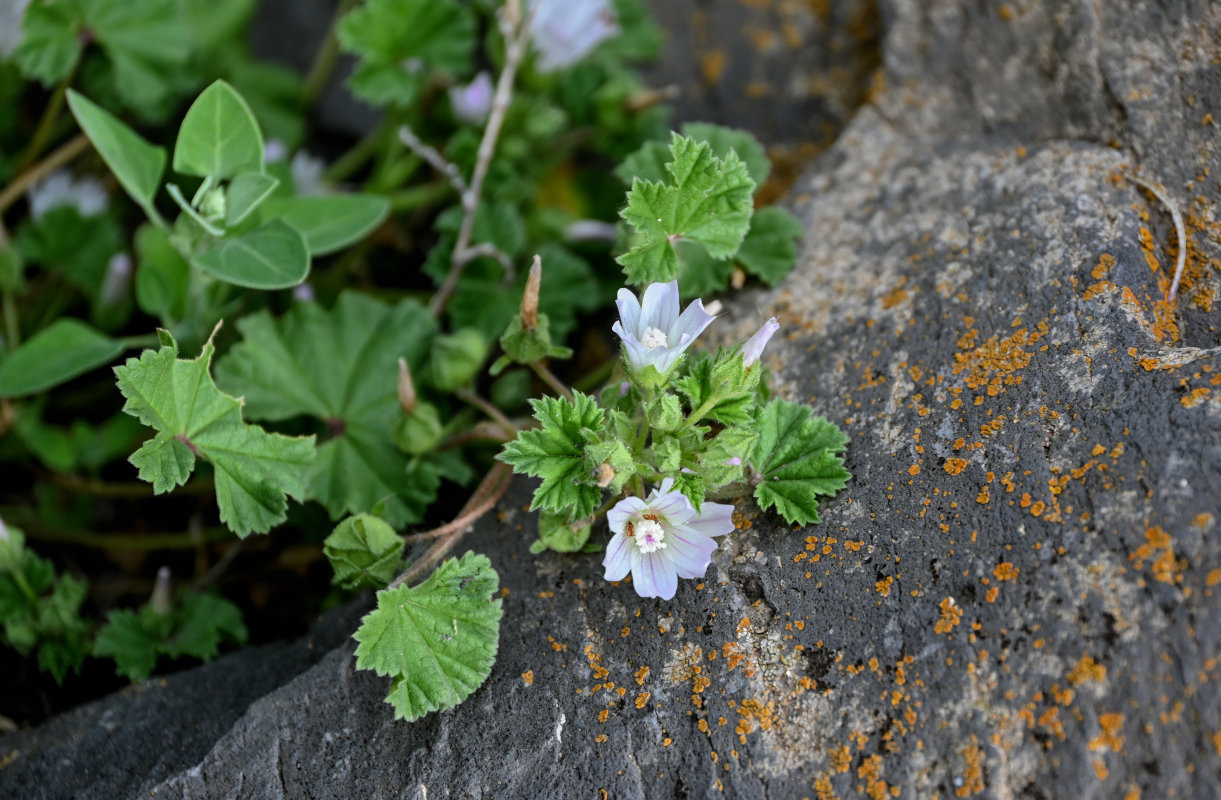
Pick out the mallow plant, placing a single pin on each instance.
(336, 350)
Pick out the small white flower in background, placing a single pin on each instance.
(274, 150)
(86, 194)
(473, 102)
(11, 31)
(653, 332)
(662, 539)
(303, 293)
(565, 31)
(118, 279)
(753, 349)
(590, 230)
(307, 174)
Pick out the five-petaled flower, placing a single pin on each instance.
(662, 538)
(565, 31)
(653, 332)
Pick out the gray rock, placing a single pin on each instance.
(1018, 593)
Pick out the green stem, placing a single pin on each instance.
(47, 123)
(356, 157)
(12, 326)
(549, 378)
(324, 60)
(421, 196)
(24, 586)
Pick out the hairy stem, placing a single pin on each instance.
(494, 413)
(487, 494)
(548, 377)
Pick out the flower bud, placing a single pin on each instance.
(753, 348)
(456, 357)
(529, 298)
(161, 600)
(406, 387)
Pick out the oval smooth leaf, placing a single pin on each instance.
(245, 193)
(219, 136)
(272, 256)
(137, 164)
(329, 222)
(55, 355)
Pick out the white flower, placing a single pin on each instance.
(753, 349)
(86, 194)
(662, 539)
(653, 332)
(565, 31)
(472, 102)
(274, 150)
(307, 174)
(117, 282)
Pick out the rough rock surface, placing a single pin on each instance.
(1017, 595)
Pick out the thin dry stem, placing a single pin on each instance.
(1179, 230)
(434, 158)
(60, 156)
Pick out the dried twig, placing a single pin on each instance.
(435, 160)
(515, 30)
(60, 156)
(1179, 230)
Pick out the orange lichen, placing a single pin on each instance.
(1087, 670)
(973, 773)
(955, 465)
(1109, 738)
(841, 758)
(642, 699)
(1157, 550)
(993, 364)
(1005, 571)
(951, 615)
(883, 586)
(528, 677)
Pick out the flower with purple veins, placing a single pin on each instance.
(662, 539)
(753, 349)
(652, 330)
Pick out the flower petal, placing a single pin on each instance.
(683, 330)
(755, 344)
(624, 510)
(638, 356)
(714, 519)
(673, 507)
(653, 575)
(659, 308)
(618, 561)
(689, 551)
(629, 312)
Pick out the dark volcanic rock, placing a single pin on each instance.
(1017, 595)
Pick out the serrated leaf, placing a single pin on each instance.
(797, 460)
(201, 623)
(438, 640)
(133, 646)
(136, 639)
(272, 256)
(769, 250)
(400, 41)
(56, 354)
(341, 368)
(219, 137)
(136, 164)
(49, 42)
(255, 470)
(649, 162)
(329, 222)
(555, 452)
(706, 201)
(77, 246)
(364, 551)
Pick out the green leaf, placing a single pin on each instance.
(272, 256)
(162, 276)
(50, 42)
(364, 551)
(54, 355)
(254, 470)
(340, 367)
(797, 460)
(136, 640)
(770, 248)
(555, 452)
(147, 43)
(707, 201)
(219, 137)
(437, 640)
(722, 140)
(329, 222)
(136, 164)
(400, 41)
(245, 193)
(554, 533)
(77, 246)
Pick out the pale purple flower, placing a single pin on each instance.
(565, 31)
(652, 330)
(303, 293)
(117, 281)
(307, 172)
(755, 344)
(86, 193)
(473, 102)
(662, 539)
(274, 150)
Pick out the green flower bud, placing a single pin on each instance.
(212, 205)
(456, 357)
(419, 431)
(526, 345)
(665, 414)
(363, 551)
(554, 533)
